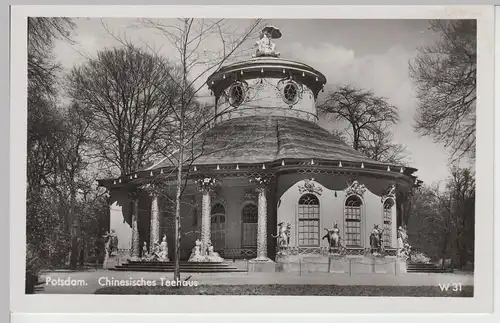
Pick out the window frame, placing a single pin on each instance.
(350, 219)
(243, 222)
(316, 211)
(231, 97)
(387, 225)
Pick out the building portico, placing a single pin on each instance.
(266, 163)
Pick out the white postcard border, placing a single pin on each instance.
(483, 279)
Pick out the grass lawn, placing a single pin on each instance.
(295, 290)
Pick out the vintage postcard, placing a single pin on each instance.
(307, 152)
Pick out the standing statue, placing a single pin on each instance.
(163, 254)
(333, 237)
(111, 243)
(265, 47)
(155, 250)
(376, 240)
(196, 252)
(145, 253)
(283, 235)
(111, 249)
(213, 256)
(404, 247)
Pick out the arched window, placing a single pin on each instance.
(218, 226)
(308, 220)
(249, 225)
(388, 205)
(352, 213)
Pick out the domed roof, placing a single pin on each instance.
(251, 140)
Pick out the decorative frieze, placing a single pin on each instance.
(355, 188)
(310, 187)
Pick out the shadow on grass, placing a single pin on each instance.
(293, 290)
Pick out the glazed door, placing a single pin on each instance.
(218, 230)
(249, 226)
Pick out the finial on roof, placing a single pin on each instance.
(265, 47)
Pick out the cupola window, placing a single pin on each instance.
(237, 94)
(290, 93)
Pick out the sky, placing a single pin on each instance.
(370, 54)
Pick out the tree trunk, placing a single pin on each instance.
(355, 142)
(177, 230)
(443, 251)
(74, 254)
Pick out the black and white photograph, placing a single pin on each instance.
(251, 156)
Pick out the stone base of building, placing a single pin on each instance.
(338, 264)
(401, 266)
(261, 265)
(111, 262)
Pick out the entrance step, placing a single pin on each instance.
(426, 268)
(185, 266)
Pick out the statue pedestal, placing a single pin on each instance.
(118, 258)
(338, 264)
(110, 262)
(400, 266)
(379, 265)
(261, 265)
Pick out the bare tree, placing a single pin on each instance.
(131, 99)
(369, 117)
(72, 163)
(460, 191)
(42, 31)
(379, 145)
(45, 138)
(445, 78)
(190, 38)
(442, 219)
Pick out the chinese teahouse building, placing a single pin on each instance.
(284, 169)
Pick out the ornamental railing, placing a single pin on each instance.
(326, 251)
(238, 253)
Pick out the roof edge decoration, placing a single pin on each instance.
(266, 67)
(266, 63)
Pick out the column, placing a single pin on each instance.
(155, 222)
(135, 246)
(206, 185)
(262, 184)
(205, 220)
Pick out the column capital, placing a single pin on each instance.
(153, 189)
(261, 182)
(207, 184)
(134, 194)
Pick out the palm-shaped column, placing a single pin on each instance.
(155, 221)
(262, 184)
(206, 186)
(134, 250)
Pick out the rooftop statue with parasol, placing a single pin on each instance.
(265, 47)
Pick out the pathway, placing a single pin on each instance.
(87, 282)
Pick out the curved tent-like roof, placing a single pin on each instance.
(251, 140)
